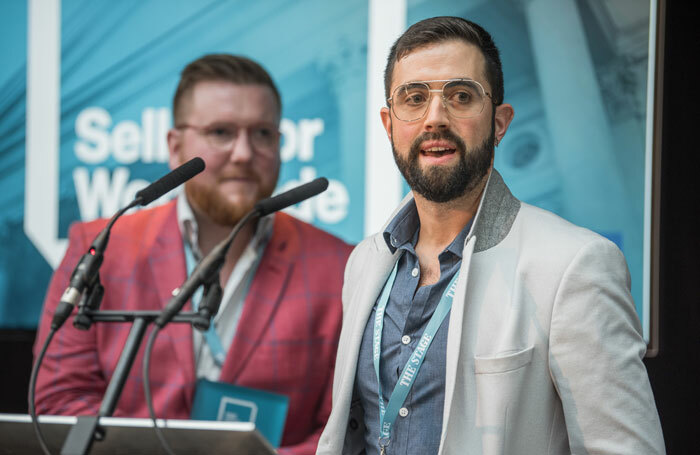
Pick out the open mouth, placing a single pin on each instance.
(438, 151)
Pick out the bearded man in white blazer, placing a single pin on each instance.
(476, 323)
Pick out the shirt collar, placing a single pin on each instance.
(403, 229)
(190, 230)
(457, 245)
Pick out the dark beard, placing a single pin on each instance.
(442, 183)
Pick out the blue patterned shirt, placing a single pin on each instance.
(419, 424)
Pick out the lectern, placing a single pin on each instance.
(129, 436)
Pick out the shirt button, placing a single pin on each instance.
(405, 339)
(414, 272)
(403, 412)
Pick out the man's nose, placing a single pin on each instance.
(436, 117)
(242, 149)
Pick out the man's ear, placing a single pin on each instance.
(385, 114)
(174, 141)
(504, 115)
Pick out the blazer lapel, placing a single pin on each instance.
(375, 276)
(371, 264)
(455, 333)
(494, 218)
(375, 269)
(168, 270)
(263, 299)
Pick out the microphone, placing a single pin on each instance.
(291, 197)
(207, 271)
(83, 276)
(169, 181)
(85, 273)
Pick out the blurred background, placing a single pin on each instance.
(86, 89)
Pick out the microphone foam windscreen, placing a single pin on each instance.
(173, 179)
(291, 197)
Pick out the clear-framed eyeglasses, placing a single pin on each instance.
(463, 98)
(222, 136)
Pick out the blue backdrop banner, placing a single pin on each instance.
(84, 112)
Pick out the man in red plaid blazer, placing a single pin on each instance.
(281, 310)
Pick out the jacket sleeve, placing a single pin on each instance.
(595, 358)
(70, 381)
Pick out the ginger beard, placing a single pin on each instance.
(446, 183)
(211, 202)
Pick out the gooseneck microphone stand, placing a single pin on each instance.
(85, 288)
(85, 280)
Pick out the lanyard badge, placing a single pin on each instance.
(388, 413)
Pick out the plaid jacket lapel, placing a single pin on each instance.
(168, 269)
(266, 290)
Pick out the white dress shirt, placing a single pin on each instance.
(234, 293)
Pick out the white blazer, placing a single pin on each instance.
(544, 352)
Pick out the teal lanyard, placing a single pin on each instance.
(210, 336)
(388, 414)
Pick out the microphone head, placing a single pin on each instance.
(291, 197)
(173, 179)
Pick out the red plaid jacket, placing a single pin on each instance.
(285, 341)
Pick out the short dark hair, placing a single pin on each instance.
(445, 28)
(220, 67)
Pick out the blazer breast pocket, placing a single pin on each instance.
(499, 380)
(503, 362)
